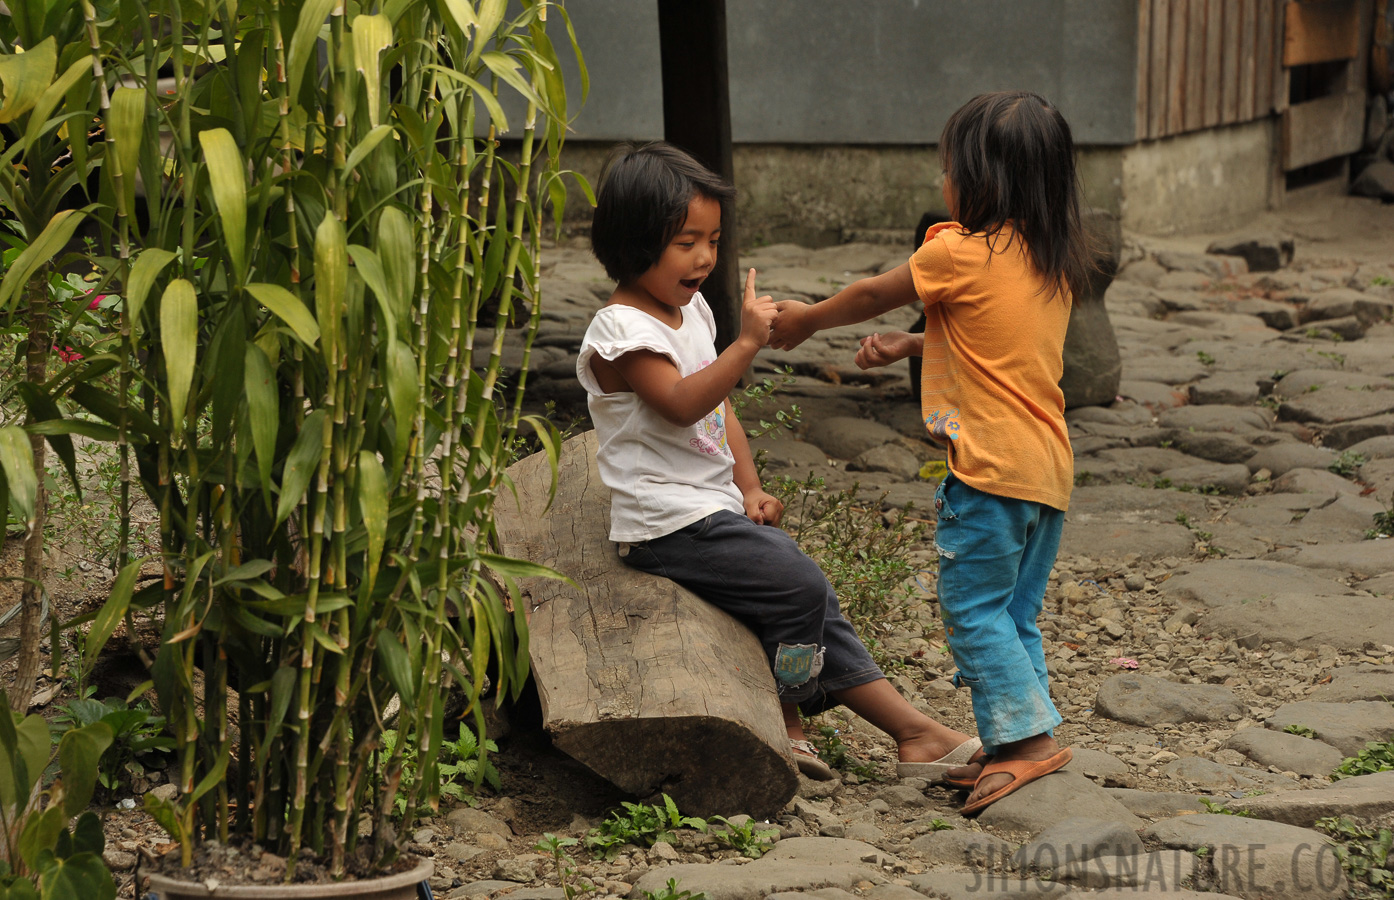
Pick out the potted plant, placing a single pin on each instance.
(318, 282)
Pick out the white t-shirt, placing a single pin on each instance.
(662, 477)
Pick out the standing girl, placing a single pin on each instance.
(996, 285)
(686, 500)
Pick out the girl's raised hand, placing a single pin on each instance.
(757, 314)
(883, 349)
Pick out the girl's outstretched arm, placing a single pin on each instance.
(859, 301)
(883, 349)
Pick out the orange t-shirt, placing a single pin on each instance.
(990, 384)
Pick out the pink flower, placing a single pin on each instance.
(1124, 662)
(96, 300)
(67, 354)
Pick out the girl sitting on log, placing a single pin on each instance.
(687, 502)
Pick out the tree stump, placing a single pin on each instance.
(646, 684)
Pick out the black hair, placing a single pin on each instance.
(642, 202)
(1012, 160)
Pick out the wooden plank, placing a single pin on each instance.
(1263, 60)
(1144, 66)
(1321, 32)
(1248, 19)
(649, 686)
(1157, 83)
(1281, 75)
(1176, 68)
(1229, 64)
(1323, 129)
(1195, 65)
(1214, 41)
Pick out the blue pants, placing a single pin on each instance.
(995, 556)
(758, 574)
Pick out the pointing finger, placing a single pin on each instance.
(750, 285)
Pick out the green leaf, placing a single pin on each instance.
(506, 68)
(126, 125)
(82, 875)
(17, 463)
(26, 750)
(212, 778)
(401, 393)
(367, 145)
(289, 309)
(83, 427)
(26, 76)
(43, 108)
(78, 754)
(369, 268)
(87, 834)
(399, 263)
(373, 503)
(144, 271)
(41, 251)
(166, 814)
(42, 409)
(331, 285)
(302, 42)
(19, 889)
(253, 569)
(104, 405)
(488, 19)
(371, 35)
(521, 568)
(40, 834)
(396, 664)
(111, 613)
(301, 463)
(263, 412)
(227, 177)
(179, 340)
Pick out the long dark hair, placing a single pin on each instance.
(1012, 160)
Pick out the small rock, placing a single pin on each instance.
(1145, 700)
(165, 792)
(118, 860)
(663, 850)
(518, 868)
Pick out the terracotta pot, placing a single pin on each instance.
(401, 886)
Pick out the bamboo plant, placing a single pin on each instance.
(319, 275)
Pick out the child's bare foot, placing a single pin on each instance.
(1032, 749)
(931, 742)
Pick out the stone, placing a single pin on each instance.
(828, 851)
(1301, 382)
(1326, 485)
(1342, 303)
(1283, 603)
(483, 888)
(854, 257)
(1165, 369)
(1215, 830)
(787, 453)
(1036, 806)
(957, 848)
(1095, 763)
(1346, 726)
(1280, 316)
(1363, 797)
(518, 868)
(1147, 701)
(1093, 368)
(1226, 388)
(1329, 407)
(1261, 252)
(845, 437)
(1216, 776)
(890, 458)
(538, 893)
(902, 796)
(1215, 418)
(1077, 838)
(1157, 804)
(118, 860)
(1346, 328)
(1152, 394)
(1344, 434)
(1143, 271)
(864, 832)
(948, 885)
(1367, 558)
(1298, 870)
(1216, 446)
(166, 792)
(1287, 752)
(1281, 458)
(1363, 682)
(467, 821)
(1160, 873)
(1213, 266)
(1230, 478)
(1381, 447)
(460, 851)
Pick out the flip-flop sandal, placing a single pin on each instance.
(1023, 772)
(965, 784)
(806, 758)
(935, 771)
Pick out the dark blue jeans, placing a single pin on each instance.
(759, 575)
(995, 557)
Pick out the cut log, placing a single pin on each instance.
(646, 684)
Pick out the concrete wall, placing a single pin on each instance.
(871, 71)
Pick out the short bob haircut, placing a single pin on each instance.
(642, 203)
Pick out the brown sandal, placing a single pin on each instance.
(1023, 772)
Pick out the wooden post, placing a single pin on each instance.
(697, 118)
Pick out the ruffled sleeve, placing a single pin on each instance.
(615, 331)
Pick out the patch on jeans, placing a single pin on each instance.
(947, 554)
(795, 664)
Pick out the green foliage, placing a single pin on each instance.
(744, 838)
(1347, 464)
(1381, 281)
(1378, 756)
(1300, 731)
(1336, 359)
(556, 848)
(38, 843)
(643, 824)
(865, 555)
(136, 731)
(939, 825)
(1383, 523)
(460, 766)
(835, 753)
(1205, 358)
(670, 892)
(1219, 809)
(1364, 853)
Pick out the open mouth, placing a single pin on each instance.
(691, 284)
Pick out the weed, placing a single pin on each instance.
(1347, 464)
(939, 825)
(1270, 402)
(136, 733)
(1339, 359)
(834, 752)
(1378, 756)
(1300, 731)
(1313, 388)
(556, 847)
(1384, 522)
(1205, 358)
(1183, 520)
(1083, 479)
(757, 394)
(458, 766)
(1219, 809)
(639, 823)
(743, 838)
(1381, 281)
(1364, 853)
(670, 892)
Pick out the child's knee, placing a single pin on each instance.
(795, 665)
